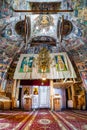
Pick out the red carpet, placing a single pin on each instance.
(80, 112)
(14, 120)
(65, 120)
(43, 120)
(71, 119)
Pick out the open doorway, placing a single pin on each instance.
(44, 97)
(41, 97)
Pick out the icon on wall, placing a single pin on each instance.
(26, 65)
(35, 91)
(26, 91)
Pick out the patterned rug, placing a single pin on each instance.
(81, 112)
(71, 119)
(46, 120)
(43, 120)
(14, 120)
(65, 120)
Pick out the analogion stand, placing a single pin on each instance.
(56, 103)
(27, 105)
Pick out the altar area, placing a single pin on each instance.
(44, 78)
(34, 97)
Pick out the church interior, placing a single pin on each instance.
(43, 64)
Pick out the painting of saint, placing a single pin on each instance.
(35, 91)
(60, 63)
(26, 64)
(43, 22)
(26, 91)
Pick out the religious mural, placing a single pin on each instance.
(26, 90)
(26, 65)
(44, 64)
(60, 63)
(36, 5)
(43, 24)
(82, 66)
(35, 90)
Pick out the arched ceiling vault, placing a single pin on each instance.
(46, 26)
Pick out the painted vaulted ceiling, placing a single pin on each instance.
(43, 29)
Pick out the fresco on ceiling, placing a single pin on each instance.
(16, 4)
(21, 4)
(5, 9)
(80, 9)
(10, 42)
(79, 20)
(60, 63)
(30, 4)
(79, 54)
(9, 33)
(36, 49)
(26, 64)
(4, 64)
(45, 6)
(44, 21)
(43, 25)
(71, 4)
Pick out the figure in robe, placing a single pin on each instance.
(60, 63)
(26, 64)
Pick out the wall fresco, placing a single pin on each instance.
(26, 65)
(44, 64)
(74, 44)
(60, 63)
(43, 25)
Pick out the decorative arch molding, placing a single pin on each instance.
(43, 40)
